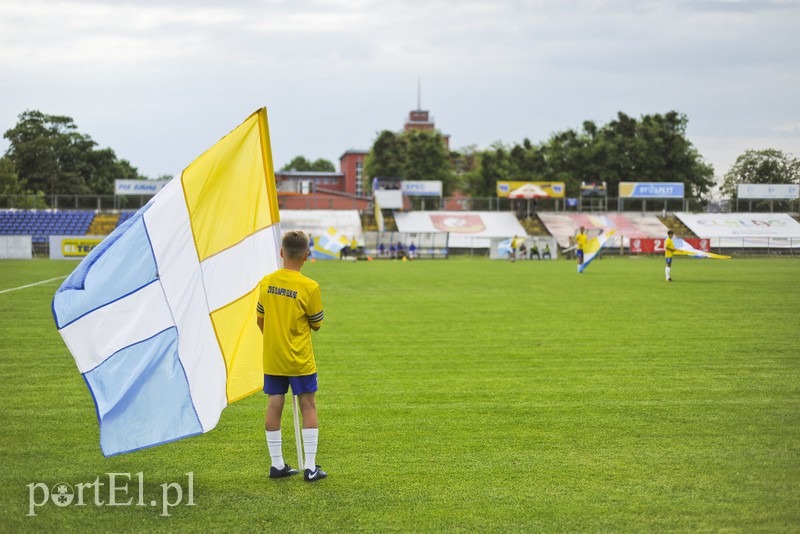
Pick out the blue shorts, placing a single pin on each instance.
(669, 262)
(579, 253)
(279, 385)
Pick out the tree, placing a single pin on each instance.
(387, 158)
(301, 164)
(427, 158)
(494, 168)
(49, 155)
(13, 193)
(768, 166)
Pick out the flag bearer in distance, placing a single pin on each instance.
(669, 250)
(289, 308)
(580, 244)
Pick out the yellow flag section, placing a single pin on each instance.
(593, 247)
(232, 202)
(682, 248)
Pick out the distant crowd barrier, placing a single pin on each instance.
(395, 245)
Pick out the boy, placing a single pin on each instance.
(669, 248)
(289, 307)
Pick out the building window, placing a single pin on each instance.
(359, 183)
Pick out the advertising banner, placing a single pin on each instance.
(138, 187)
(740, 224)
(531, 189)
(651, 246)
(317, 222)
(768, 191)
(15, 247)
(467, 229)
(72, 247)
(650, 190)
(421, 188)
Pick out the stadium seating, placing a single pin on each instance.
(124, 216)
(44, 223)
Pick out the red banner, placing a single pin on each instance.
(644, 245)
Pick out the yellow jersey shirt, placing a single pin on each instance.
(580, 241)
(669, 246)
(290, 304)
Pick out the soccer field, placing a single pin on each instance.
(456, 395)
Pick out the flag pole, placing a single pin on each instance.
(297, 439)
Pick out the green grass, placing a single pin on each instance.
(463, 395)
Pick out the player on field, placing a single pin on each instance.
(669, 249)
(580, 242)
(289, 308)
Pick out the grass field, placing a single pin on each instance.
(461, 395)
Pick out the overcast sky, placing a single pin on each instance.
(159, 81)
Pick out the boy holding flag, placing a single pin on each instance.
(289, 307)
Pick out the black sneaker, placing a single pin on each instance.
(287, 471)
(316, 474)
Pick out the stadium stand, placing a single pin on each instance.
(103, 224)
(563, 226)
(677, 226)
(534, 226)
(44, 223)
(124, 216)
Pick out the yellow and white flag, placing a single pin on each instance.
(682, 248)
(328, 245)
(593, 247)
(160, 317)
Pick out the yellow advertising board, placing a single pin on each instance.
(78, 247)
(531, 189)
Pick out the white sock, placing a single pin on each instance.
(310, 439)
(274, 445)
(666, 271)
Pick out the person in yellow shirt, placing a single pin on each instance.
(289, 308)
(580, 243)
(514, 245)
(669, 249)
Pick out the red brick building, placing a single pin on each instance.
(419, 119)
(351, 165)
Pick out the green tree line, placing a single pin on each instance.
(48, 156)
(653, 148)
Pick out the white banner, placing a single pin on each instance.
(768, 191)
(389, 199)
(138, 187)
(472, 229)
(317, 222)
(15, 247)
(707, 225)
(421, 188)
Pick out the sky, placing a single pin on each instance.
(160, 81)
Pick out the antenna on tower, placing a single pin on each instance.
(419, 94)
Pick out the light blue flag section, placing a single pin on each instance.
(142, 396)
(504, 249)
(121, 264)
(140, 388)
